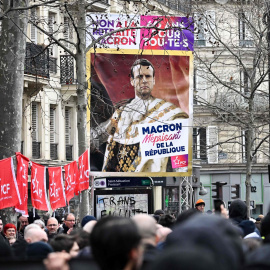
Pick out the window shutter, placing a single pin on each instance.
(67, 125)
(200, 86)
(33, 29)
(34, 122)
(210, 28)
(212, 140)
(52, 125)
(199, 36)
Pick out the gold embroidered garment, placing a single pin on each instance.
(123, 152)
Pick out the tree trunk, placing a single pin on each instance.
(12, 56)
(82, 95)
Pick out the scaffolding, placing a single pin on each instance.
(186, 193)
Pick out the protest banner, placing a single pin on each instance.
(141, 77)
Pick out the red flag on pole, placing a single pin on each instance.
(38, 187)
(70, 180)
(76, 178)
(9, 191)
(84, 169)
(22, 180)
(56, 189)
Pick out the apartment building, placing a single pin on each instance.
(231, 102)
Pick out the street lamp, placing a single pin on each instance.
(222, 2)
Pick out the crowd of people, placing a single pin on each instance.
(225, 239)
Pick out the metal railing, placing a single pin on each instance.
(66, 69)
(36, 60)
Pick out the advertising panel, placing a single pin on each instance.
(141, 95)
(125, 203)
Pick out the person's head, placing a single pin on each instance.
(142, 78)
(52, 225)
(33, 235)
(159, 212)
(1, 225)
(238, 210)
(23, 222)
(209, 233)
(88, 227)
(147, 228)
(69, 220)
(65, 243)
(38, 250)
(86, 219)
(200, 204)
(115, 243)
(40, 223)
(10, 230)
(167, 220)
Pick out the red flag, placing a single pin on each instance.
(22, 180)
(76, 177)
(10, 195)
(38, 187)
(70, 180)
(56, 189)
(84, 169)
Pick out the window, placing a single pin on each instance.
(212, 141)
(51, 22)
(204, 28)
(68, 138)
(33, 29)
(244, 147)
(245, 37)
(245, 81)
(35, 131)
(53, 144)
(200, 87)
(52, 125)
(68, 30)
(52, 48)
(199, 144)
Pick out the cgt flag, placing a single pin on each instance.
(56, 189)
(84, 170)
(22, 180)
(38, 187)
(70, 180)
(10, 195)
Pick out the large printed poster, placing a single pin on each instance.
(141, 96)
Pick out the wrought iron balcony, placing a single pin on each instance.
(66, 69)
(36, 60)
(69, 155)
(36, 149)
(53, 151)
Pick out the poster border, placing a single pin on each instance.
(190, 122)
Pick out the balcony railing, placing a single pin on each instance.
(69, 155)
(66, 69)
(53, 151)
(36, 60)
(36, 149)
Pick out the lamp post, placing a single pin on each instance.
(222, 2)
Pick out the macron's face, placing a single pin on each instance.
(143, 81)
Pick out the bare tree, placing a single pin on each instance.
(232, 83)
